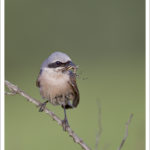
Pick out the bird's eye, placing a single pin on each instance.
(58, 63)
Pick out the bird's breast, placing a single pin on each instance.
(54, 86)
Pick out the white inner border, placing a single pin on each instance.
(2, 77)
(147, 6)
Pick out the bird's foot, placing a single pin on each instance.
(65, 124)
(42, 106)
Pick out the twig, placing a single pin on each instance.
(99, 126)
(14, 89)
(10, 93)
(126, 132)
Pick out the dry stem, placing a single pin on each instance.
(126, 132)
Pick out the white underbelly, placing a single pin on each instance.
(55, 87)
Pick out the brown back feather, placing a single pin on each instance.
(74, 87)
(37, 80)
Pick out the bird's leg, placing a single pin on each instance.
(42, 106)
(65, 123)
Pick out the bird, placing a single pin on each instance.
(57, 83)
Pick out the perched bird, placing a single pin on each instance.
(57, 83)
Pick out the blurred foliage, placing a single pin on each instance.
(106, 39)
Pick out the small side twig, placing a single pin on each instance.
(14, 89)
(126, 132)
(10, 93)
(99, 126)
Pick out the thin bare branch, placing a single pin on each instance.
(126, 132)
(99, 126)
(14, 89)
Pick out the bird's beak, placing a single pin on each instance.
(71, 65)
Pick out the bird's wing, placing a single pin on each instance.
(74, 87)
(37, 80)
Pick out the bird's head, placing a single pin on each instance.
(59, 61)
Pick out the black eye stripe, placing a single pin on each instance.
(58, 64)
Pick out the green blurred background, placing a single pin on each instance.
(107, 39)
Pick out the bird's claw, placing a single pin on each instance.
(42, 107)
(65, 124)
